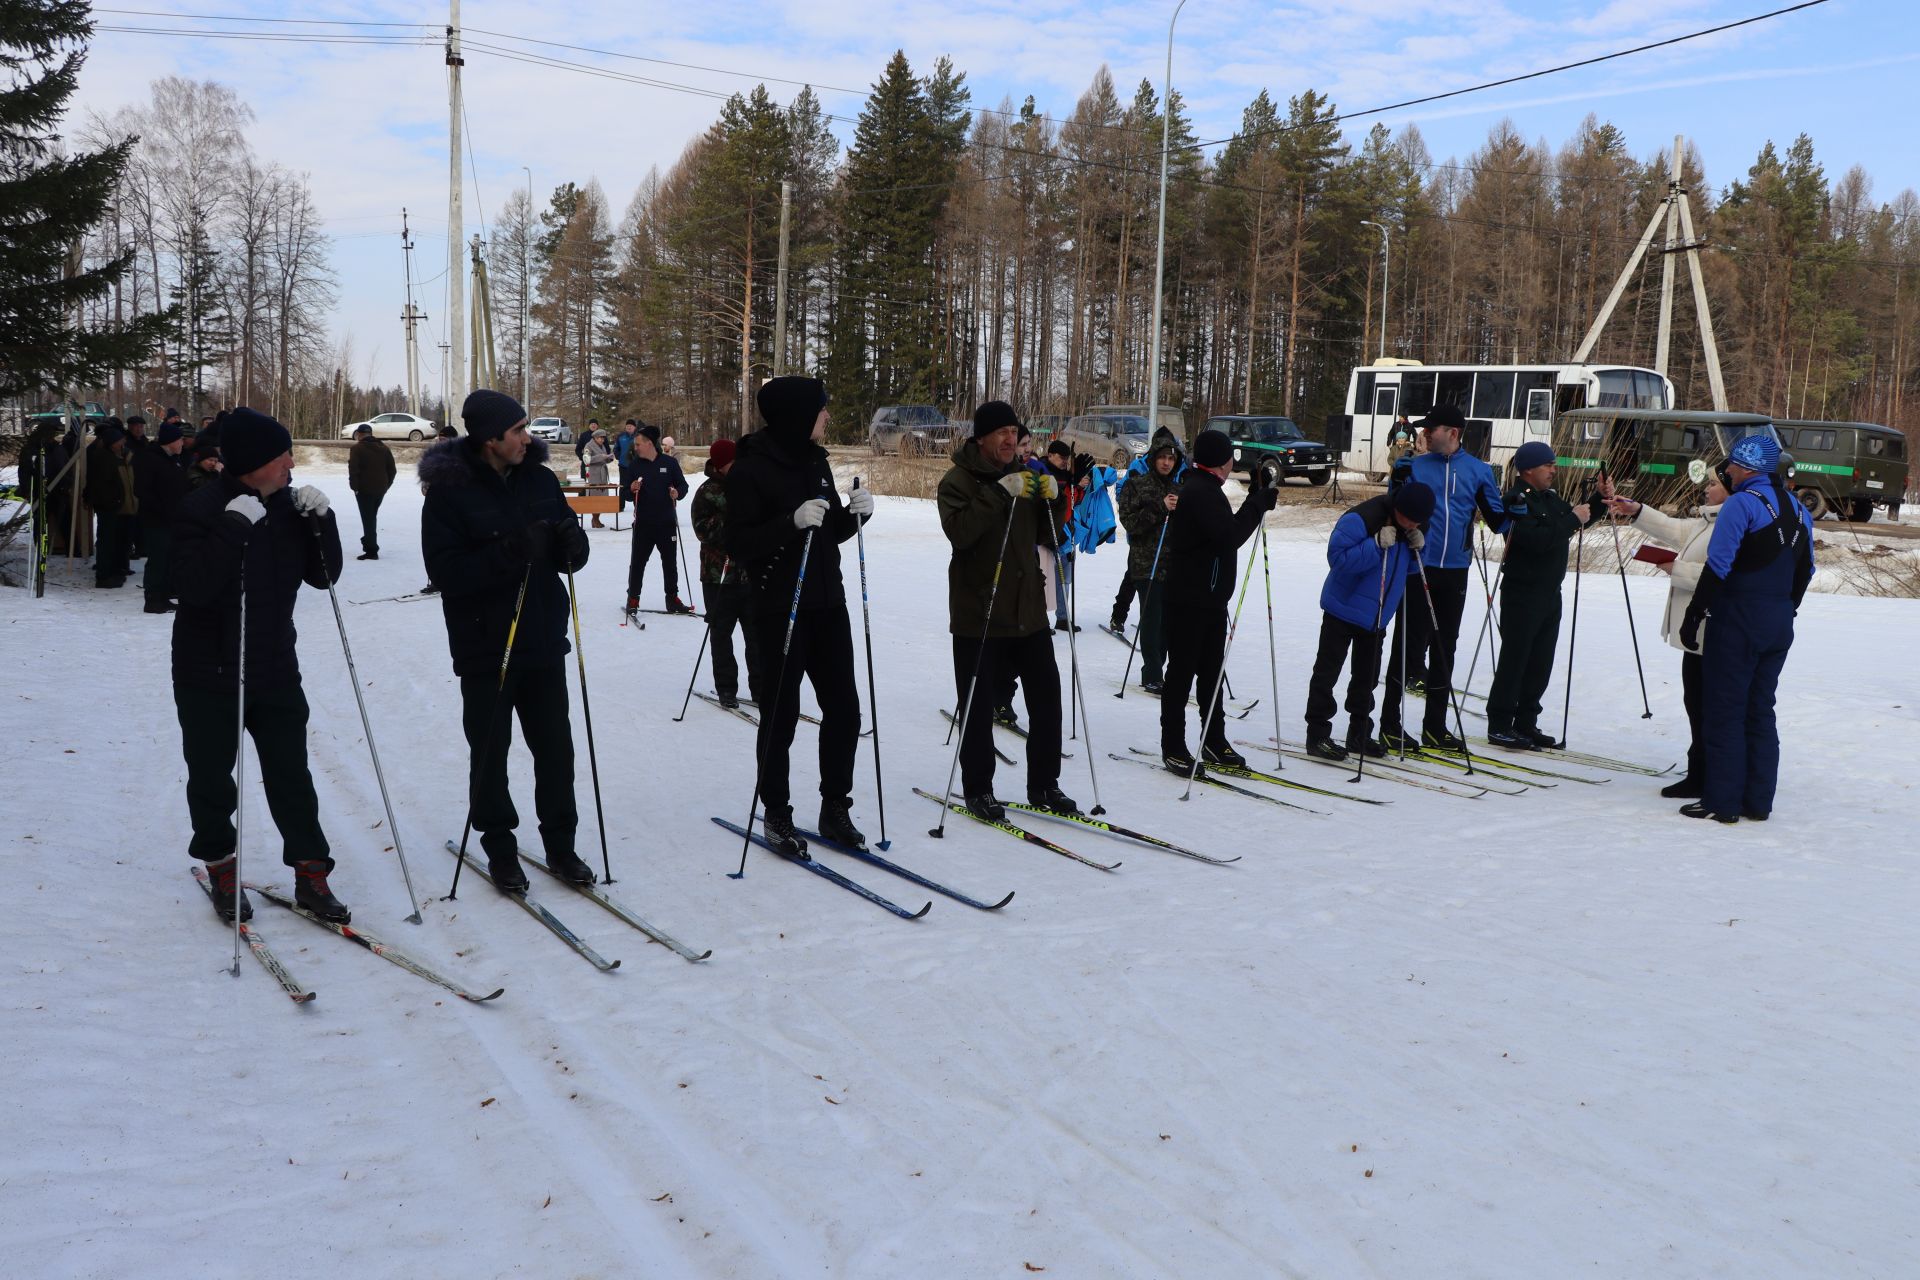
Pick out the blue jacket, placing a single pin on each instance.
(1352, 592)
(1751, 510)
(1094, 520)
(1460, 483)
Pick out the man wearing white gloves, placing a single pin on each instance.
(248, 530)
(785, 524)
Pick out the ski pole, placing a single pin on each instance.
(239, 758)
(1573, 632)
(873, 697)
(770, 714)
(1633, 632)
(493, 721)
(701, 653)
(1213, 704)
(353, 676)
(1273, 661)
(684, 571)
(1151, 584)
(1073, 656)
(586, 709)
(1488, 623)
(1374, 639)
(1459, 721)
(973, 682)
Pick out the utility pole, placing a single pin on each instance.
(780, 286)
(1386, 263)
(410, 317)
(526, 324)
(1663, 339)
(485, 374)
(456, 376)
(446, 351)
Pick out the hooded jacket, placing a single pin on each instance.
(772, 475)
(280, 553)
(1461, 483)
(1143, 507)
(709, 516)
(1354, 591)
(473, 536)
(974, 514)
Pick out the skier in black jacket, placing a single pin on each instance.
(246, 526)
(657, 486)
(161, 484)
(496, 530)
(1201, 546)
(779, 491)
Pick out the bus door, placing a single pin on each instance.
(1380, 429)
(1540, 412)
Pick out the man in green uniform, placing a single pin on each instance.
(1541, 523)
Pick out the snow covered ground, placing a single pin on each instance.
(1560, 1033)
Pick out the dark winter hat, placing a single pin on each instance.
(169, 432)
(652, 432)
(1534, 453)
(491, 414)
(790, 405)
(1212, 449)
(449, 432)
(1756, 453)
(249, 440)
(136, 418)
(992, 416)
(720, 453)
(1414, 501)
(110, 434)
(1443, 415)
(1060, 449)
(364, 429)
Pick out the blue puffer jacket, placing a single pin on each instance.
(1093, 521)
(1460, 483)
(1352, 592)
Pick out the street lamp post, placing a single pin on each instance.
(526, 341)
(1386, 248)
(1160, 246)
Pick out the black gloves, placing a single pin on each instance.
(1082, 466)
(539, 543)
(556, 544)
(1700, 608)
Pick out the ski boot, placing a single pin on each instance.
(1396, 740)
(777, 826)
(224, 877)
(1688, 788)
(1511, 739)
(1698, 809)
(310, 891)
(1004, 715)
(728, 698)
(1441, 741)
(1153, 688)
(503, 861)
(986, 808)
(1053, 800)
(1180, 760)
(836, 824)
(567, 866)
(676, 605)
(1541, 741)
(1118, 622)
(1224, 756)
(1372, 748)
(1326, 749)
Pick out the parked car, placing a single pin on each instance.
(910, 430)
(1113, 438)
(1274, 445)
(552, 430)
(394, 426)
(1846, 468)
(1172, 417)
(88, 417)
(1045, 426)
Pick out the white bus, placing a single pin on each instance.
(1504, 405)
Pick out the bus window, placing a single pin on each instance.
(1456, 388)
(1786, 437)
(1416, 393)
(1362, 392)
(1539, 403)
(1493, 395)
(1649, 390)
(1821, 439)
(1614, 389)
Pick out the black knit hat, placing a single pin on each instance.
(992, 416)
(1415, 501)
(791, 405)
(652, 432)
(1212, 449)
(1443, 415)
(169, 432)
(249, 440)
(491, 414)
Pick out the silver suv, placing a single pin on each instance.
(909, 430)
(1113, 438)
(552, 430)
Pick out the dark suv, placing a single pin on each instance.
(910, 430)
(1275, 445)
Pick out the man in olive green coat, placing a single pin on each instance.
(370, 473)
(1147, 501)
(993, 511)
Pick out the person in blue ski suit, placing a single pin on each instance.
(1462, 486)
(1367, 559)
(1759, 562)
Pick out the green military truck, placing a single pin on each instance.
(1846, 468)
(89, 417)
(1646, 451)
(1269, 443)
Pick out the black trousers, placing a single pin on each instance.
(110, 563)
(538, 694)
(1123, 598)
(156, 580)
(277, 723)
(1693, 691)
(1029, 660)
(1196, 648)
(822, 651)
(1529, 633)
(369, 504)
(647, 539)
(1338, 637)
(730, 605)
(1427, 648)
(1153, 629)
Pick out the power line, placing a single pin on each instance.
(235, 17)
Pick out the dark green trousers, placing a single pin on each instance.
(277, 723)
(1529, 632)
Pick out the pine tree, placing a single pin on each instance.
(48, 202)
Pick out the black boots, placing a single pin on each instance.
(1511, 739)
(1326, 749)
(836, 824)
(1224, 756)
(503, 861)
(986, 808)
(676, 605)
(1054, 800)
(224, 877)
(777, 826)
(1698, 809)
(567, 866)
(310, 891)
(1685, 789)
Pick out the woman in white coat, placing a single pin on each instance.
(1689, 537)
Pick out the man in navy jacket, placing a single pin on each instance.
(657, 486)
(1462, 486)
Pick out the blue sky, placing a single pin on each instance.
(368, 122)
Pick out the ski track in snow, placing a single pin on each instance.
(1566, 1031)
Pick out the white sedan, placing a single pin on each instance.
(394, 426)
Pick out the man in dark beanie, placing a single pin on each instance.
(1201, 549)
(725, 583)
(994, 512)
(137, 444)
(496, 531)
(1367, 559)
(782, 508)
(109, 491)
(370, 473)
(161, 484)
(656, 484)
(1148, 497)
(247, 529)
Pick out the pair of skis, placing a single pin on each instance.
(1387, 768)
(1147, 760)
(821, 869)
(408, 598)
(1077, 819)
(740, 709)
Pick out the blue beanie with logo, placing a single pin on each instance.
(1756, 453)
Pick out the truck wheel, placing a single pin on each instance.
(415, 434)
(1862, 510)
(1319, 477)
(1814, 501)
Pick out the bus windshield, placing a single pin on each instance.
(1629, 389)
(1272, 430)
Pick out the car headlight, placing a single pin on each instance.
(1137, 446)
